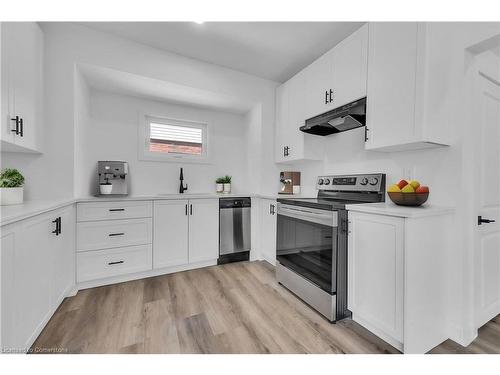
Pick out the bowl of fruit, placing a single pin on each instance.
(408, 193)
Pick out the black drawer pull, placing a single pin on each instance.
(117, 262)
(116, 209)
(116, 234)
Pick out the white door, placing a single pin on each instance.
(170, 238)
(203, 230)
(487, 194)
(33, 267)
(375, 272)
(268, 230)
(63, 254)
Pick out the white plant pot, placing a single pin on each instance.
(227, 188)
(220, 188)
(11, 196)
(105, 189)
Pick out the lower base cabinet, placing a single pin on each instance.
(268, 214)
(397, 277)
(185, 232)
(37, 272)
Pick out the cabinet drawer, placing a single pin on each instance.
(93, 265)
(95, 235)
(114, 210)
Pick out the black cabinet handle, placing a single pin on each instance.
(271, 209)
(286, 151)
(116, 234)
(21, 127)
(16, 130)
(326, 97)
(116, 209)
(186, 209)
(480, 220)
(56, 222)
(117, 262)
(60, 224)
(331, 95)
(366, 133)
(190, 209)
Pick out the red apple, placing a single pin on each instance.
(402, 183)
(422, 189)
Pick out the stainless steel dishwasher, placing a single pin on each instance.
(234, 229)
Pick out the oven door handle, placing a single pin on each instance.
(328, 218)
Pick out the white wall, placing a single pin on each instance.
(51, 175)
(111, 134)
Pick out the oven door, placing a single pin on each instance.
(307, 243)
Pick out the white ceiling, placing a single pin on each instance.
(271, 50)
(124, 83)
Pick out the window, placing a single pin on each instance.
(169, 139)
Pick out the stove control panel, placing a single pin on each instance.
(374, 182)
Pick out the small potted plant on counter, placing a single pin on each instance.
(227, 184)
(11, 187)
(220, 184)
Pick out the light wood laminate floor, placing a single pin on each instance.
(234, 308)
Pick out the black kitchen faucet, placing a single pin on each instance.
(182, 188)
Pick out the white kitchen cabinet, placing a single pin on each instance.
(102, 264)
(398, 262)
(376, 272)
(319, 85)
(291, 143)
(398, 87)
(9, 240)
(63, 255)
(106, 234)
(37, 272)
(350, 63)
(203, 230)
(22, 86)
(336, 78)
(171, 225)
(186, 232)
(268, 215)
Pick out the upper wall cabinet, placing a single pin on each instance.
(291, 143)
(339, 76)
(21, 86)
(336, 78)
(398, 87)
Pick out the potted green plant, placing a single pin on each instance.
(11, 187)
(227, 184)
(219, 183)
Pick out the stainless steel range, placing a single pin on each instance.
(312, 240)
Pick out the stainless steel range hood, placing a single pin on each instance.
(347, 117)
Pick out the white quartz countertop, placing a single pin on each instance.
(16, 212)
(11, 214)
(390, 209)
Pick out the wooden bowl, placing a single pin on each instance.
(409, 199)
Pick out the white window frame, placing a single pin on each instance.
(144, 137)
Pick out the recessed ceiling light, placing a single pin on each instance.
(199, 22)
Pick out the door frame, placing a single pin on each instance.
(473, 76)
